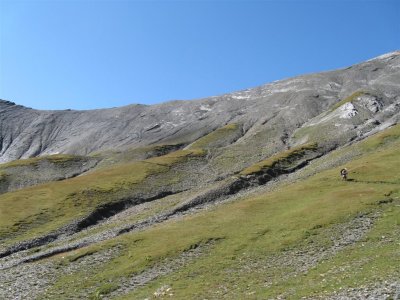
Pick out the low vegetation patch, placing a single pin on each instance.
(176, 156)
(39, 209)
(218, 138)
(80, 254)
(385, 137)
(56, 159)
(126, 156)
(373, 260)
(3, 175)
(104, 290)
(285, 157)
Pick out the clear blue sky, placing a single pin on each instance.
(93, 54)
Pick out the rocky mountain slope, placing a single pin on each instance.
(272, 111)
(228, 197)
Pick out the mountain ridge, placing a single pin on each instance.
(387, 55)
(184, 121)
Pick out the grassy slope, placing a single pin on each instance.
(284, 157)
(56, 159)
(253, 231)
(27, 172)
(37, 210)
(148, 209)
(217, 138)
(109, 158)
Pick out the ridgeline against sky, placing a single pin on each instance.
(82, 55)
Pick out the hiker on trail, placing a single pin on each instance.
(343, 173)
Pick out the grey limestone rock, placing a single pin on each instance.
(268, 114)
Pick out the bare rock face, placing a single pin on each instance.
(269, 115)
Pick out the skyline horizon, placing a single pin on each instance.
(210, 96)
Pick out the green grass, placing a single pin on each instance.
(3, 175)
(391, 134)
(56, 159)
(235, 157)
(374, 259)
(103, 290)
(285, 157)
(219, 137)
(378, 141)
(153, 208)
(39, 209)
(250, 231)
(129, 155)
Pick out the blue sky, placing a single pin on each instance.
(94, 54)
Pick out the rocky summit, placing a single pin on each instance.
(237, 196)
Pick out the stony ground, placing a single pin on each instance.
(30, 280)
